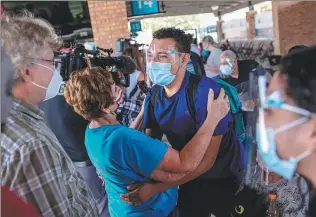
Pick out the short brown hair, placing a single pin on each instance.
(89, 90)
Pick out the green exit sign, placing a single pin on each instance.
(136, 26)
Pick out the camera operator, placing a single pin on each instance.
(33, 161)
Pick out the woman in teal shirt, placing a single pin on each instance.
(123, 155)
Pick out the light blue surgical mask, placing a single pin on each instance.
(160, 73)
(267, 146)
(226, 69)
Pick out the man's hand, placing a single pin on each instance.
(139, 193)
(217, 109)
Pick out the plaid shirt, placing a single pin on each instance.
(34, 165)
(128, 111)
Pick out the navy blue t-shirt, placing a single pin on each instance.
(171, 115)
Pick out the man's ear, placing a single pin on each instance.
(25, 75)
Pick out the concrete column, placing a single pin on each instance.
(294, 23)
(251, 27)
(219, 28)
(109, 22)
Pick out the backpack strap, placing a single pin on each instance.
(194, 81)
(154, 95)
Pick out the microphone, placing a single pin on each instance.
(125, 64)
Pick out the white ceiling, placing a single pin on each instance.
(196, 7)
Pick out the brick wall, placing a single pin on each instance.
(251, 28)
(294, 23)
(109, 22)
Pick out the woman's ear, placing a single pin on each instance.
(106, 110)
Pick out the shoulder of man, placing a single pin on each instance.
(246, 66)
(208, 83)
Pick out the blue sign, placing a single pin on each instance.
(145, 7)
(136, 26)
(211, 29)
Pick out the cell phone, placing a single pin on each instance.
(275, 60)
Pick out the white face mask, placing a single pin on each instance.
(54, 84)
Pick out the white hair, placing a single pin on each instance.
(24, 38)
(229, 54)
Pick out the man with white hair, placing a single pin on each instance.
(243, 75)
(33, 163)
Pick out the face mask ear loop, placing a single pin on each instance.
(302, 156)
(291, 125)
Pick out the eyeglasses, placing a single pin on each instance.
(162, 56)
(53, 61)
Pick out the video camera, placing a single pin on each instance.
(124, 43)
(74, 60)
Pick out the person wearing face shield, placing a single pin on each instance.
(286, 128)
(210, 188)
(238, 73)
(243, 75)
(33, 163)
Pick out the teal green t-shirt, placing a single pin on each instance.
(124, 156)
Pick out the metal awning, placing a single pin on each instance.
(178, 7)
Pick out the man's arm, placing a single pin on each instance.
(35, 173)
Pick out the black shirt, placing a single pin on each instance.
(67, 125)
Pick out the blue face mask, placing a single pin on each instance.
(160, 73)
(267, 146)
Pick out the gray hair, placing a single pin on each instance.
(209, 39)
(229, 54)
(24, 37)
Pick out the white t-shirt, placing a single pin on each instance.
(213, 61)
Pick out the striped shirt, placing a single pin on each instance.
(34, 165)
